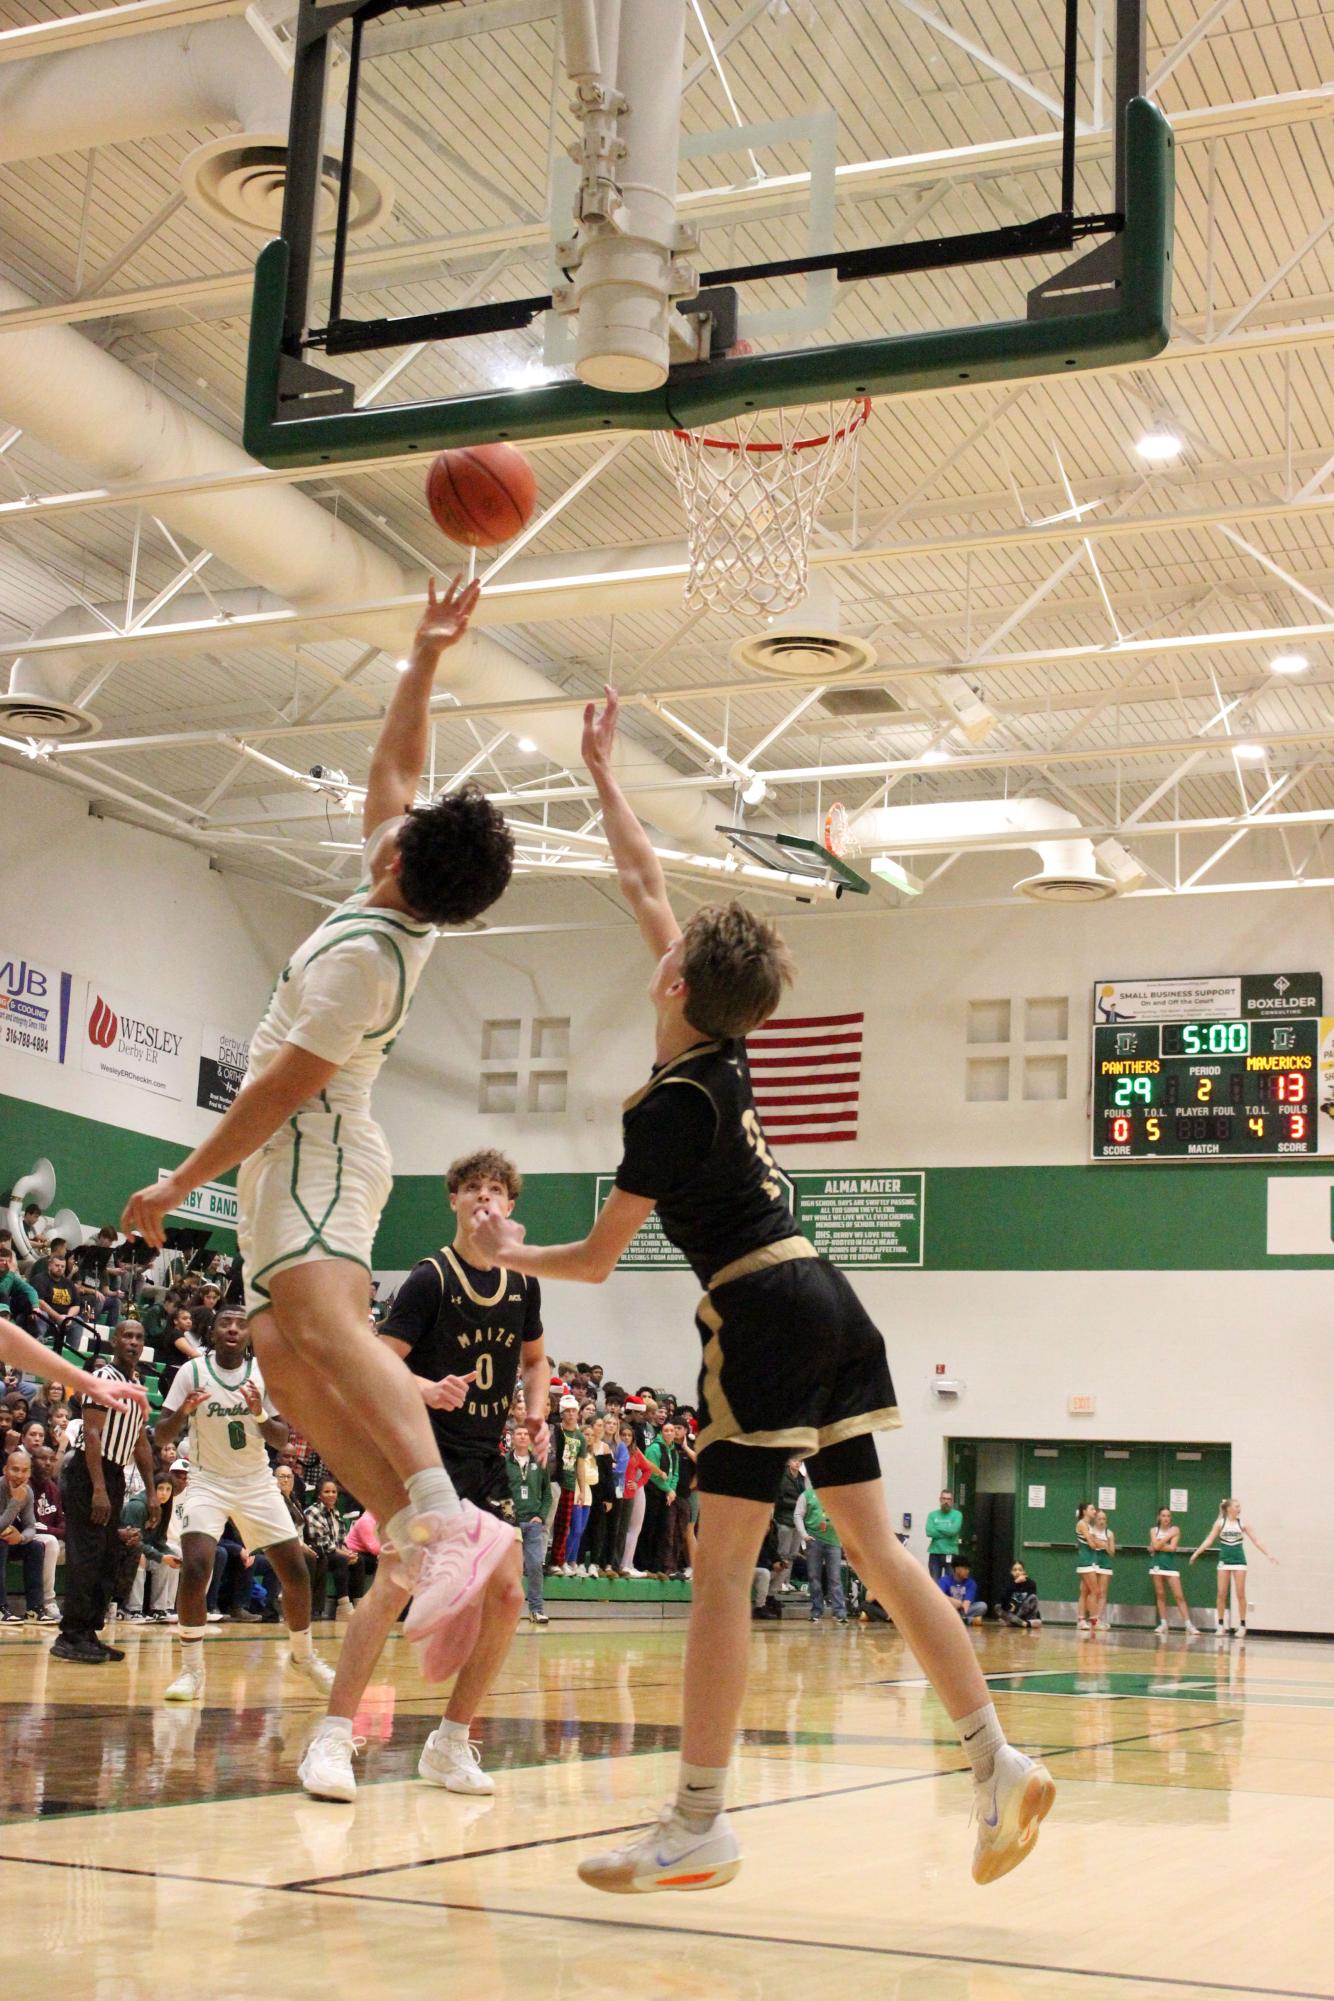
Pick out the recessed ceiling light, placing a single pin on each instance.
(1160, 445)
(400, 666)
(1289, 663)
(1249, 753)
(934, 756)
(525, 744)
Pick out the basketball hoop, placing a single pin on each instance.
(836, 828)
(752, 499)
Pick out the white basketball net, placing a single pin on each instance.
(752, 490)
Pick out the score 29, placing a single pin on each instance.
(1127, 1089)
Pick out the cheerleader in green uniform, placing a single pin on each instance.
(1102, 1542)
(1165, 1569)
(1086, 1563)
(1231, 1534)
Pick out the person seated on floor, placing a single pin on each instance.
(960, 1587)
(1019, 1601)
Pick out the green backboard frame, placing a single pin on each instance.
(1073, 327)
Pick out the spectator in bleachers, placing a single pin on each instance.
(179, 1344)
(18, 1535)
(18, 1299)
(205, 1310)
(59, 1303)
(49, 1509)
(49, 1399)
(158, 1576)
(327, 1537)
(102, 1278)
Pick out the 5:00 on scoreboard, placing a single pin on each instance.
(1174, 1089)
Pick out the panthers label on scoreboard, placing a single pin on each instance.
(1228, 1068)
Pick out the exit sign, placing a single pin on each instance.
(1081, 1406)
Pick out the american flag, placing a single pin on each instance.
(807, 1072)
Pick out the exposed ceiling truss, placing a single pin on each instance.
(1119, 625)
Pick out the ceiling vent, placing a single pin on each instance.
(805, 642)
(1055, 887)
(44, 716)
(240, 179)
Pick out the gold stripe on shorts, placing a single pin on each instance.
(780, 1253)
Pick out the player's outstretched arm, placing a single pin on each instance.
(400, 751)
(253, 1116)
(590, 1261)
(22, 1352)
(638, 870)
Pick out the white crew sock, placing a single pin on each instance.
(430, 1492)
(700, 1793)
(192, 1647)
(333, 1726)
(300, 1644)
(981, 1735)
(458, 1732)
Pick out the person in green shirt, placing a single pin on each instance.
(530, 1497)
(663, 1482)
(944, 1527)
(17, 1298)
(824, 1557)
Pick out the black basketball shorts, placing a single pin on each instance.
(481, 1479)
(792, 1364)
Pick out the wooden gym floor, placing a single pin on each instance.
(153, 1852)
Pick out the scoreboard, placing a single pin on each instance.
(1222, 1086)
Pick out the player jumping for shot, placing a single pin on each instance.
(315, 1169)
(791, 1364)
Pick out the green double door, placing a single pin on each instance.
(1131, 1482)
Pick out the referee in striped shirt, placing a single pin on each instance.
(93, 1486)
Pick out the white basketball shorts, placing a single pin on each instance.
(256, 1507)
(314, 1192)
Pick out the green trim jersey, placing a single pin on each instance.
(344, 995)
(225, 1439)
(1231, 1544)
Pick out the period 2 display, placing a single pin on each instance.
(1216, 1068)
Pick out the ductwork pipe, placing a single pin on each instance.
(97, 413)
(1069, 867)
(623, 257)
(137, 87)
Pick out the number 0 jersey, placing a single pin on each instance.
(225, 1440)
(459, 1321)
(694, 1144)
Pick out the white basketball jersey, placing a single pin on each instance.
(225, 1439)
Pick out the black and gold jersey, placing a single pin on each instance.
(459, 1321)
(693, 1142)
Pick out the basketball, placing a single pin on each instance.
(482, 494)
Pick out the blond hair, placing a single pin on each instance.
(735, 966)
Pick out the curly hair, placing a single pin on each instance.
(735, 968)
(484, 1165)
(455, 856)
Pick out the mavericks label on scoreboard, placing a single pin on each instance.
(1252, 1080)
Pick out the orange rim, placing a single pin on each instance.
(836, 828)
(861, 413)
